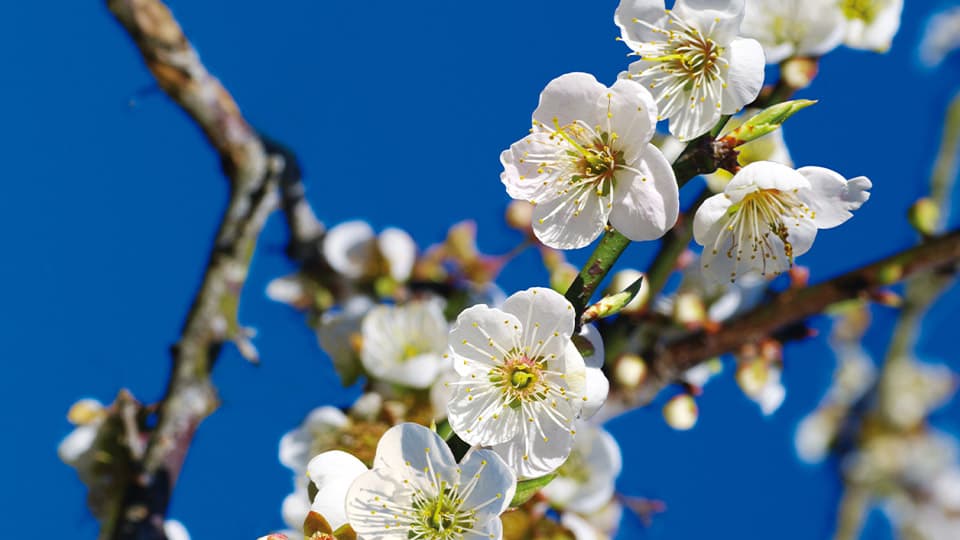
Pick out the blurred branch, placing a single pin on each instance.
(669, 361)
(254, 169)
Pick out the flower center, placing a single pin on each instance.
(864, 10)
(686, 52)
(758, 223)
(520, 378)
(440, 517)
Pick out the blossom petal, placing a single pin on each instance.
(595, 360)
(744, 78)
(400, 251)
(876, 34)
(77, 443)
(542, 312)
(646, 205)
(332, 473)
(349, 248)
(366, 500)
(631, 114)
(495, 483)
(630, 12)
(490, 529)
(543, 444)
(295, 446)
(478, 414)
(708, 215)
(569, 98)
(597, 389)
(832, 197)
(412, 445)
(481, 337)
(719, 20)
(525, 178)
(571, 221)
(764, 175)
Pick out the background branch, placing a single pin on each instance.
(669, 361)
(254, 173)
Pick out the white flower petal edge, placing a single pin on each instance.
(588, 160)
(349, 247)
(400, 252)
(296, 445)
(416, 490)
(333, 473)
(768, 214)
(692, 60)
(522, 382)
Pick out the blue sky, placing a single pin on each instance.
(398, 112)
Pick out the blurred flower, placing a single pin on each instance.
(339, 334)
(700, 374)
(354, 251)
(871, 24)
(942, 37)
(681, 412)
(404, 344)
(769, 214)
(693, 61)
(585, 482)
(417, 490)
(788, 28)
(760, 381)
(522, 382)
(174, 530)
(588, 160)
(75, 449)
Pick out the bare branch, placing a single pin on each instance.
(254, 173)
(792, 306)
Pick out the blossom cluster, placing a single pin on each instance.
(473, 401)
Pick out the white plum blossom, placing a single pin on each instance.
(769, 214)
(405, 344)
(355, 251)
(333, 473)
(692, 60)
(588, 161)
(871, 24)
(75, 449)
(585, 482)
(339, 336)
(417, 490)
(522, 383)
(788, 28)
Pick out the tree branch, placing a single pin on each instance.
(669, 361)
(254, 173)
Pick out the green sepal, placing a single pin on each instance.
(527, 488)
(612, 304)
(766, 121)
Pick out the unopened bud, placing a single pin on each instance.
(752, 376)
(924, 216)
(765, 122)
(688, 310)
(681, 412)
(551, 258)
(624, 279)
(519, 216)
(799, 72)
(886, 298)
(629, 371)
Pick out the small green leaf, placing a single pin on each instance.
(527, 488)
(766, 121)
(444, 430)
(316, 524)
(612, 304)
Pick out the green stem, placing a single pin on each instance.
(673, 245)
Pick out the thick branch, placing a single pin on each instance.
(253, 174)
(795, 305)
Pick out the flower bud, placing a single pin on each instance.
(461, 241)
(519, 216)
(681, 412)
(924, 216)
(562, 276)
(688, 310)
(799, 72)
(85, 412)
(625, 278)
(629, 371)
